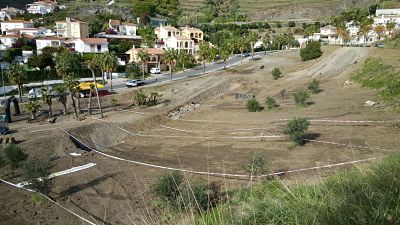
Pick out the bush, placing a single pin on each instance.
(301, 97)
(198, 196)
(256, 165)
(276, 73)
(167, 186)
(140, 98)
(314, 87)
(291, 24)
(27, 48)
(37, 198)
(296, 129)
(13, 155)
(35, 169)
(254, 106)
(283, 93)
(271, 103)
(311, 51)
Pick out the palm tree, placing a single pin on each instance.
(343, 34)
(32, 108)
(224, 55)
(380, 30)
(204, 52)
(91, 87)
(182, 55)
(73, 87)
(62, 97)
(66, 62)
(390, 25)
(266, 42)
(92, 64)
(241, 45)
(47, 99)
(17, 75)
(253, 38)
(144, 57)
(110, 64)
(99, 61)
(170, 56)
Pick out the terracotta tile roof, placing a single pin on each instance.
(9, 36)
(115, 22)
(94, 40)
(50, 38)
(182, 38)
(170, 28)
(129, 24)
(16, 21)
(151, 51)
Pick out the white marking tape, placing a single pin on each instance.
(186, 137)
(226, 175)
(64, 172)
(33, 131)
(51, 200)
(346, 145)
(208, 131)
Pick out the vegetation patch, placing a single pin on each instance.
(254, 106)
(360, 196)
(378, 75)
(311, 51)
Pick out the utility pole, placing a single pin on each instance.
(2, 77)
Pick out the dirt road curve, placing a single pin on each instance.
(333, 64)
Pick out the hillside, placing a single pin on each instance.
(285, 9)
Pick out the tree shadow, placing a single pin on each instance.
(80, 187)
(93, 216)
(311, 136)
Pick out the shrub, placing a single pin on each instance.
(254, 106)
(3, 161)
(35, 169)
(296, 129)
(198, 196)
(283, 94)
(167, 186)
(311, 51)
(256, 165)
(13, 155)
(291, 24)
(114, 103)
(314, 86)
(301, 97)
(271, 103)
(27, 48)
(278, 24)
(140, 98)
(37, 198)
(276, 73)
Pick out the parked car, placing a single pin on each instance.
(246, 54)
(155, 70)
(380, 45)
(134, 83)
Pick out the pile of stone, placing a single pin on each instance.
(183, 110)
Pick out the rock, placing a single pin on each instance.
(183, 110)
(348, 83)
(370, 103)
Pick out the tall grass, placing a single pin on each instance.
(364, 195)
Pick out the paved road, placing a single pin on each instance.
(194, 72)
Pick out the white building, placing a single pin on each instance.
(4, 15)
(43, 42)
(164, 32)
(72, 28)
(328, 30)
(15, 24)
(180, 42)
(352, 28)
(393, 12)
(327, 34)
(41, 7)
(13, 12)
(8, 40)
(90, 45)
(122, 28)
(35, 32)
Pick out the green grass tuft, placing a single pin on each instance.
(363, 195)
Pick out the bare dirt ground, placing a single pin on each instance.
(218, 136)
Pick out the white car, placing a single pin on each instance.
(155, 70)
(134, 83)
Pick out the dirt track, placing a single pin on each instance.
(219, 136)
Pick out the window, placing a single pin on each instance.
(99, 48)
(169, 33)
(186, 44)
